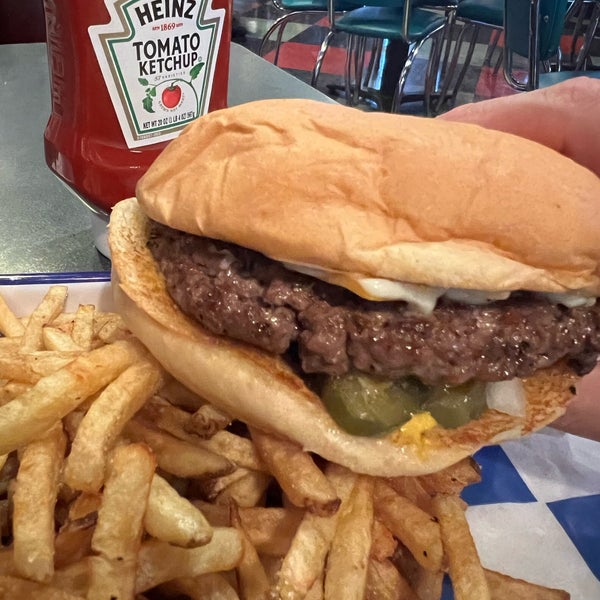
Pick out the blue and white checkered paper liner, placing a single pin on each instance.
(536, 513)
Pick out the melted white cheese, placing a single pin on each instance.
(422, 298)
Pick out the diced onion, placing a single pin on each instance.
(506, 396)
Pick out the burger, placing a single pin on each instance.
(389, 292)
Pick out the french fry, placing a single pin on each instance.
(10, 343)
(5, 516)
(10, 325)
(503, 587)
(174, 519)
(176, 456)
(14, 587)
(7, 562)
(110, 327)
(253, 582)
(176, 393)
(159, 562)
(413, 489)
(235, 448)
(426, 584)
(453, 479)
(34, 412)
(174, 420)
(346, 573)
(305, 561)
(83, 505)
(83, 326)
(211, 586)
(302, 481)
(415, 528)
(384, 582)
(58, 340)
(30, 368)
(74, 540)
(246, 491)
(467, 575)
(105, 420)
(33, 506)
(270, 529)
(207, 421)
(316, 589)
(51, 306)
(383, 543)
(9, 391)
(73, 578)
(119, 528)
(8, 471)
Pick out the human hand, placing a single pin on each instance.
(583, 413)
(565, 117)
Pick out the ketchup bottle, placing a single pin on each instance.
(126, 77)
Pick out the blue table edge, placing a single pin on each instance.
(54, 278)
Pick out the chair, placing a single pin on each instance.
(378, 20)
(583, 18)
(473, 16)
(296, 10)
(588, 37)
(533, 30)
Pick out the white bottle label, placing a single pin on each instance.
(158, 59)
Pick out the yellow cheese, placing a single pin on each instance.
(412, 431)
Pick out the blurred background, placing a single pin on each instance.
(464, 55)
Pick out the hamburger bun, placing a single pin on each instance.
(409, 199)
(261, 390)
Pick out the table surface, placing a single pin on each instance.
(43, 227)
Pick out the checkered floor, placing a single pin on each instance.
(303, 37)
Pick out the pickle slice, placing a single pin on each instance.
(453, 406)
(367, 405)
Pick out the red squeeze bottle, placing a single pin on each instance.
(126, 76)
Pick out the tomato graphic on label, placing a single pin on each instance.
(171, 96)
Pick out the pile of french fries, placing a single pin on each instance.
(116, 482)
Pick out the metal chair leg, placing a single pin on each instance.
(588, 38)
(449, 69)
(320, 57)
(413, 50)
(359, 61)
(348, 69)
(432, 71)
(276, 25)
(467, 62)
(492, 45)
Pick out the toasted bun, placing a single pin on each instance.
(261, 390)
(405, 198)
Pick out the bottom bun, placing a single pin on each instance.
(264, 392)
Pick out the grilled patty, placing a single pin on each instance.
(239, 293)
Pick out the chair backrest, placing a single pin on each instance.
(551, 25)
(532, 30)
(336, 6)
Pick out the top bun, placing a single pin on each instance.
(405, 198)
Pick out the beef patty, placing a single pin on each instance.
(239, 293)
